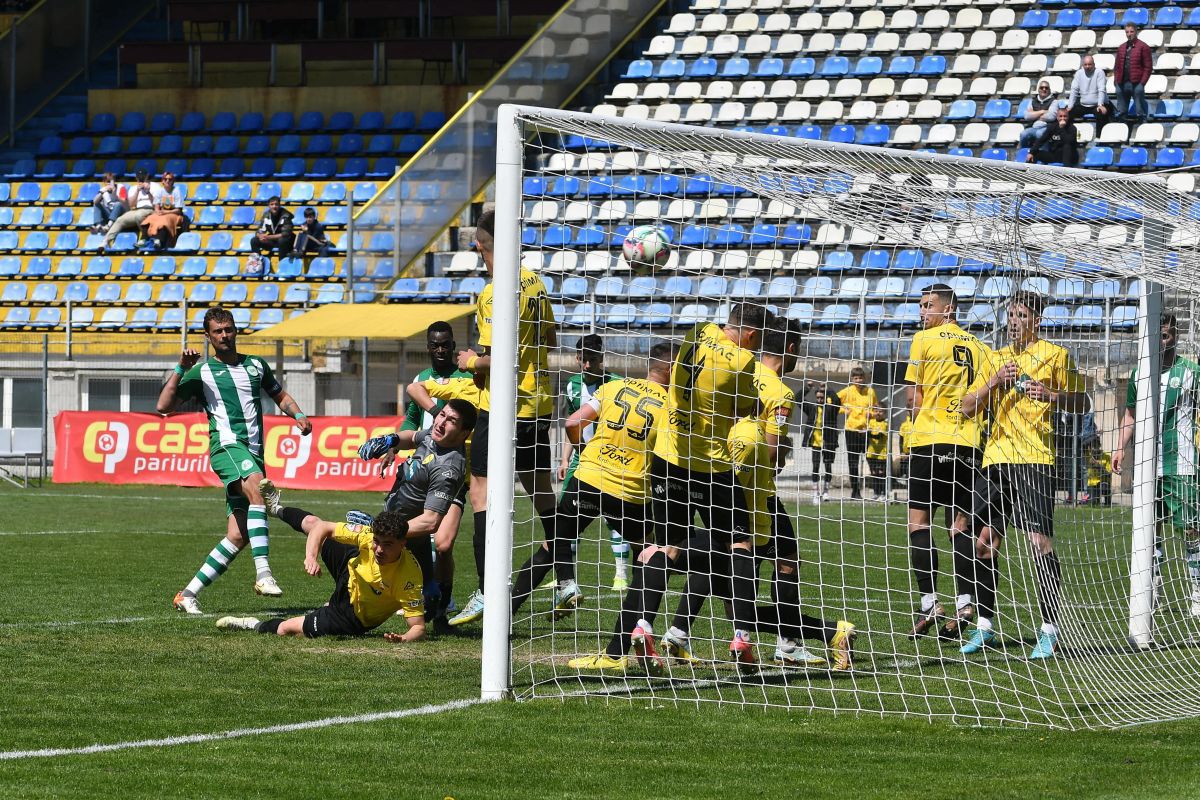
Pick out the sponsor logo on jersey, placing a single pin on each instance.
(428, 458)
(252, 370)
(781, 416)
(1176, 382)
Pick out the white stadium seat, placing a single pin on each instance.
(917, 42)
(914, 87)
(1017, 39)
(1114, 133)
(712, 23)
(894, 111)
(1002, 18)
(1169, 62)
(829, 111)
(745, 22)
(863, 111)
(853, 43)
(577, 212)
(726, 44)
(661, 46)
(941, 134)
(1156, 85)
(903, 20)
(839, 21)
(1033, 64)
(698, 113)
(624, 161)
(982, 88)
(1184, 133)
(948, 88)
(1009, 134)
(847, 89)
(668, 112)
(975, 134)
(693, 46)
(758, 44)
(789, 44)
(1112, 39)
(880, 88)
(982, 41)
(1183, 39)
(797, 111)
(966, 64)
(623, 91)
(656, 91)
(1048, 39)
(1105, 62)
(719, 90)
(885, 42)
(782, 90)
(809, 22)
(681, 23)
(815, 90)
(1081, 41)
(1016, 86)
(821, 43)
(1001, 64)
(968, 19)
(936, 19)
(906, 135)
(777, 23)
(688, 90)
(751, 90)
(1066, 63)
(1147, 134)
(731, 113)
(928, 110)
(950, 42)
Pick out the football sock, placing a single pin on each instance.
(1049, 575)
(531, 574)
(213, 567)
(696, 590)
(964, 565)
(924, 559)
(564, 560)
(479, 542)
(548, 517)
(620, 551)
(1193, 560)
(987, 571)
(293, 517)
(256, 529)
(744, 588)
(269, 626)
(642, 600)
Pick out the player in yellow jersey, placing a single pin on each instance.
(712, 386)
(611, 481)
(536, 336)
(821, 434)
(877, 453)
(1021, 387)
(374, 576)
(943, 457)
(857, 400)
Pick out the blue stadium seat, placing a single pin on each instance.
(219, 242)
(14, 293)
(52, 146)
(143, 319)
(1102, 18)
(251, 122)
(997, 109)
(961, 109)
(36, 241)
(400, 121)
(67, 241)
(1133, 158)
(1137, 15)
(103, 123)
(736, 67)
(82, 168)
(353, 168)
(1098, 157)
(76, 292)
(1168, 17)
(263, 167)
(868, 67)
(230, 168)
(162, 267)
(1169, 158)
(24, 168)
(98, 267)
(1068, 19)
(672, 68)
(932, 66)
(703, 67)
(1035, 19)
(431, 121)
(187, 243)
(770, 67)
(47, 293)
(902, 66)
(132, 122)
(37, 267)
(342, 121)
(51, 317)
(68, 267)
(192, 122)
(171, 293)
(944, 262)
(162, 122)
(639, 69)
(1167, 109)
(281, 122)
(73, 123)
(844, 134)
(835, 67)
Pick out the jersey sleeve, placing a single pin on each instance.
(410, 591)
(357, 535)
(1131, 391)
(912, 373)
(483, 317)
(444, 485)
(777, 410)
(987, 368)
(270, 384)
(191, 387)
(1066, 374)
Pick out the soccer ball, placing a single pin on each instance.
(646, 247)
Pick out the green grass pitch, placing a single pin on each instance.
(91, 653)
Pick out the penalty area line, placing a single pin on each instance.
(240, 733)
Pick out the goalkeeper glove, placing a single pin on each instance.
(359, 518)
(374, 448)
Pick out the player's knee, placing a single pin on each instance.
(788, 570)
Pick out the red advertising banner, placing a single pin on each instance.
(113, 447)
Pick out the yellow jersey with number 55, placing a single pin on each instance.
(536, 320)
(617, 458)
(942, 364)
(712, 386)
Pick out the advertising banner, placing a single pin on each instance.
(114, 447)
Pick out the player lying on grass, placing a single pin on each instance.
(610, 481)
(374, 576)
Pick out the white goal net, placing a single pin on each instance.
(958, 337)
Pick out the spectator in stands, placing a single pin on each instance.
(164, 224)
(141, 205)
(1041, 112)
(1088, 94)
(110, 203)
(275, 231)
(312, 237)
(1058, 144)
(1132, 69)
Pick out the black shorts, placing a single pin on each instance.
(783, 544)
(942, 476)
(1022, 493)
(479, 445)
(337, 617)
(581, 503)
(533, 445)
(678, 494)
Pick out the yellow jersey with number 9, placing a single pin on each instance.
(943, 363)
(752, 463)
(536, 319)
(617, 458)
(712, 385)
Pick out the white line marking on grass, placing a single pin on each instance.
(316, 501)
(200, 738)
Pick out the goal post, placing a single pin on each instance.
(842, 240)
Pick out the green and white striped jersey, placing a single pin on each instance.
(231, 396)
(1176, 416)
(578, 392)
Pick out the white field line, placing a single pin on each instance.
(158, 498)
(238, 733)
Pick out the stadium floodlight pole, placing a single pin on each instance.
(1145, 450)
(502, 419)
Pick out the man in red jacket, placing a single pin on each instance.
(1130, 73)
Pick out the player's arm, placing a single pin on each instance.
(413, 413)
(416, 630)
(977, 397)
(1127, 427)
(168, 398)
(289, 406)
(577, 423)
(444, 485)
(318, 532)
(1068, 392)
(474, 361)
(425, 524)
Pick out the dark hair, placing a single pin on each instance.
(781, 338)
(487, 223)
(466, 412)
(943, 292)
(141, 175)
(218, 315)
(274, 199)
(310, 210)
(1031, 300)
(591, 343)
(390, 523)
(663, 352)
(1167, 320)
(441, 326)
(858, 372)
(749, 315)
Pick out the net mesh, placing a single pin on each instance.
(843, 241)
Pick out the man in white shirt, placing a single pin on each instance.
(1089, 97)
(141, 205)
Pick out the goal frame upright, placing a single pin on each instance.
(512, 130)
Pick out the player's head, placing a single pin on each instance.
(454, 423)
(878, 413)
(819, 393)
(1169, 329)
(590, 355)
(746, 323)
(439, 339)
(485, 237)
(390, 530)
(938, 304)
(220, 330)
(273, 203)
(1024, 316)
(858, 376)
(662, 356)
(781, 344)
